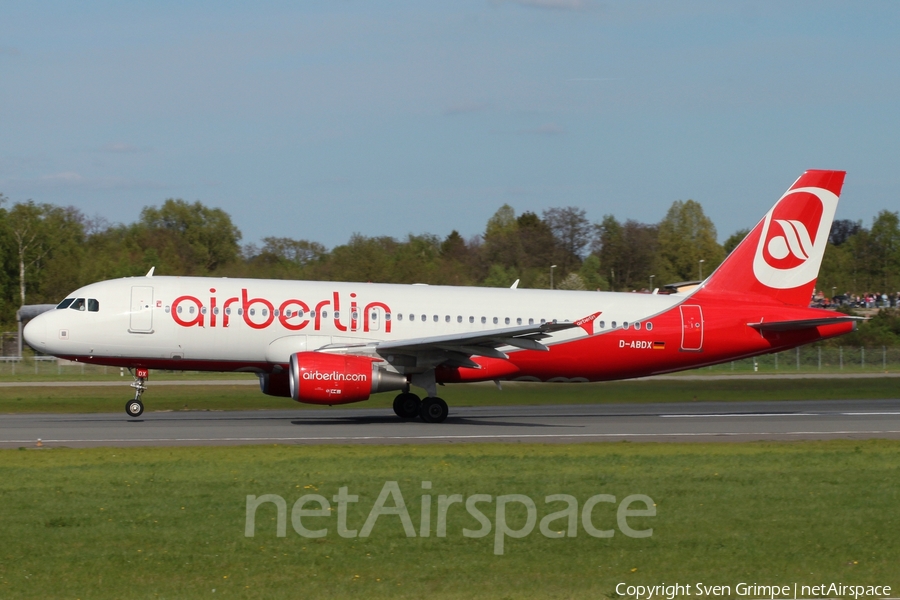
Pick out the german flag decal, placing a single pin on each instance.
(659, 345)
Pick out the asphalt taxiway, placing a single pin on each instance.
(698, 422)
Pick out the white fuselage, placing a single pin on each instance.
(235, 323)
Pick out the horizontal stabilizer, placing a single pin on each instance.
(802, 324)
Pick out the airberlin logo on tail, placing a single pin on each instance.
(793, 238)
(794, 241)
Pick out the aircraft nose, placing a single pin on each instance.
(35, 333)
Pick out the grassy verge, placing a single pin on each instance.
(50, 371)
(170, 522)
(807, 360)
(242, 397)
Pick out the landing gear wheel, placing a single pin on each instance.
(406, 405)
(134, 408)
(433, 410)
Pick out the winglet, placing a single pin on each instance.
(587, 323)
(150, 272)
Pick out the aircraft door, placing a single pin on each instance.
(691, 328)
(141, 309)
(374, 317)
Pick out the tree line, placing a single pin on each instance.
(46, 251)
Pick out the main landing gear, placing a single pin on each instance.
(431, 410)
(135, 407)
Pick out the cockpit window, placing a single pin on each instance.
(78, 304)
(93, 305)
(65, 303)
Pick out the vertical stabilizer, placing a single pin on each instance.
(781, 256)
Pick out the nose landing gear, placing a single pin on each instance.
(135, 407)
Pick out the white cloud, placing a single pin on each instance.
(553, 4)
(121, 148)
(66, 178)
(71, 179)
(464, 108)
(545, 129)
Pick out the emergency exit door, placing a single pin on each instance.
(691, 328)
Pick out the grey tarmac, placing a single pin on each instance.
(255, 381)
(675, 422)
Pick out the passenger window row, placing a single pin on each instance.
(518, 321)
(626, 325)
(288, 313)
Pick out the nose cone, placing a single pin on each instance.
(35, 333)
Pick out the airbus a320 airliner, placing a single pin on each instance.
(334, 343)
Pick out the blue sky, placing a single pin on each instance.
(317, 120)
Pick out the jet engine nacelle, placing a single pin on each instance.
(319, 378)
(275, 384)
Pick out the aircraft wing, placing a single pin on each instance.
(525, 336)
(457, 349)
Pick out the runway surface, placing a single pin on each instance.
(253, 381)
(699, 422)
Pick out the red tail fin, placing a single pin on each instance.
(781, 257)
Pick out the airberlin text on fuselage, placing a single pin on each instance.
(293, 314)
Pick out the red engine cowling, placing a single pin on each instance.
(319, 378)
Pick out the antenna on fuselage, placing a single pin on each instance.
(150, 272)
(514, 285)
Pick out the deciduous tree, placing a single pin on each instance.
(572, 232)
(195, 238)
(687, 236)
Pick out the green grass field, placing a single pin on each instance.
(170, 522)
(806, 359)
(244, 397)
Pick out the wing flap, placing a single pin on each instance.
(475, 351)
(492, 337)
